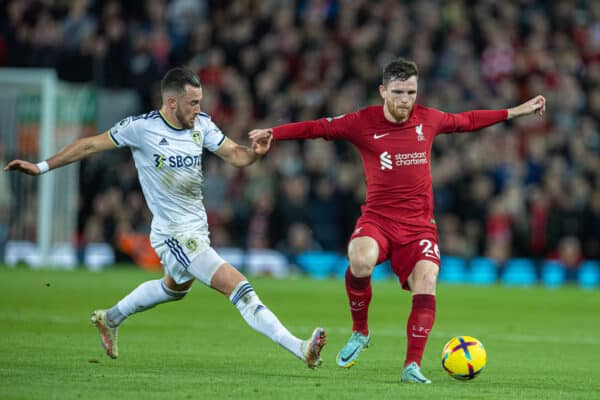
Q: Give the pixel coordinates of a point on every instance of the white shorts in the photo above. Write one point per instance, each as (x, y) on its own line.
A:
(195, 259)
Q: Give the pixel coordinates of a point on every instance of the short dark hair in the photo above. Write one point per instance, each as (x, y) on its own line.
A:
(399, 69)
(176, 78)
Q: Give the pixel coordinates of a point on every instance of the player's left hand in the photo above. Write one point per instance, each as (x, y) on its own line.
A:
(25, 167)
(261, 140)
(532, 106)
(536, 105)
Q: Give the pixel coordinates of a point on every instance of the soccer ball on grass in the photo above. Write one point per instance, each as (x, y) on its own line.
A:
(463, 357)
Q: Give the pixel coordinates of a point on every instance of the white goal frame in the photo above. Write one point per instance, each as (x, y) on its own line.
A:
(47, 80)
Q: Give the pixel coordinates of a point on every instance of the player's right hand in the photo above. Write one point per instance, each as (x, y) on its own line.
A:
(261, 140)
(25, 167)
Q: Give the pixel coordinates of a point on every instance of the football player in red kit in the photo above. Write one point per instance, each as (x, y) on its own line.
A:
(397, 221)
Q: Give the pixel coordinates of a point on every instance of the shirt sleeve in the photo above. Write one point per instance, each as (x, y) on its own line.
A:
(470, 120)
(214, 137)
(123, 133)
(332, 128)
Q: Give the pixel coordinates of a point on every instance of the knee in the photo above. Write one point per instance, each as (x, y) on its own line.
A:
(361, 266)
(428, 282)
(424, 282)
(363, 253)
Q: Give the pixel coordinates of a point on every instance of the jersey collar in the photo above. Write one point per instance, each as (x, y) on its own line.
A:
(166, 121)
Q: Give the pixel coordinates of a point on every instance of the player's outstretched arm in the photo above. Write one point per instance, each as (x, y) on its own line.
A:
(237, 155)
(532, 106)
(76, 151)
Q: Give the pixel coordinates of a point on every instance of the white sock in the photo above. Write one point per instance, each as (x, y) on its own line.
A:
(142, 298)
(262, 320)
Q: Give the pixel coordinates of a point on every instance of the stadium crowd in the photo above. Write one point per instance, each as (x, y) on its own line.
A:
(525, 188)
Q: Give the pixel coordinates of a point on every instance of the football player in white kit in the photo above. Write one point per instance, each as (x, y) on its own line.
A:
(167, 150)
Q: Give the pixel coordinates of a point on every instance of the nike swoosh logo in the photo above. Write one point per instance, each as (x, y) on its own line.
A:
(376, 136)
(418, 336)
(344, 359)
(418, 378)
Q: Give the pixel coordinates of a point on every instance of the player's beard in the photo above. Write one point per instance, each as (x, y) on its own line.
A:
(399, 113)
(185, 123)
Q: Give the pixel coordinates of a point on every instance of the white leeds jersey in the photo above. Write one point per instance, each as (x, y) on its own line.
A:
(169, 164)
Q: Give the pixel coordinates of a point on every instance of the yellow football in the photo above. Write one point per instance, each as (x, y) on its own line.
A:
(464, 357)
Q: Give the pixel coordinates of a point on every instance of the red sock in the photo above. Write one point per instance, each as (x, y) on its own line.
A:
(359, 296)
(420, 322)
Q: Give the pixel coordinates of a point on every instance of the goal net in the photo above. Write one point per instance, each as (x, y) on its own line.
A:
(38, 215)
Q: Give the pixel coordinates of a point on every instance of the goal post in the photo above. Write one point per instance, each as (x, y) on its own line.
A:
(38, 116)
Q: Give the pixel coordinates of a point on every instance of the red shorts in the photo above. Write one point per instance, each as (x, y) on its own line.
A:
(403, 246)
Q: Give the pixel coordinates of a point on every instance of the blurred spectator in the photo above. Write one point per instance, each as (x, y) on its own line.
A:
(455, 243)
(143, 69)
(113, 48)
(258, 222)
(499, 234)
(298, 240)
(351, 194)
(324, 214)
(569, 254)
(291, 206)
(591, 227)
(78, 24)
(537, 224)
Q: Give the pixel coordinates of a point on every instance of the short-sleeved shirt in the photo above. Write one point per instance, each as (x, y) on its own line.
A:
(169, 165)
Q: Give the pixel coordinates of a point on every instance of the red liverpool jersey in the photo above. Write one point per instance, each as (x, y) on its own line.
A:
(396, 156)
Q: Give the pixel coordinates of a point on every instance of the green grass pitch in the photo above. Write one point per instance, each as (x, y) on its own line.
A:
(541, 343)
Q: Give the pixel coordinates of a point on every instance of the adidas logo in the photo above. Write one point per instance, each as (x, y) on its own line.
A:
(163, 142)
